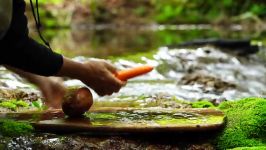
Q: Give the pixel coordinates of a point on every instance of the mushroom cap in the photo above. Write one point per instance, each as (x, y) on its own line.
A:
(77, 101)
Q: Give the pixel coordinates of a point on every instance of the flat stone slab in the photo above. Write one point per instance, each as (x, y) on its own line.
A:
(125, 120)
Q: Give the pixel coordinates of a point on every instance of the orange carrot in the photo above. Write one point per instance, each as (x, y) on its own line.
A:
(124, 75)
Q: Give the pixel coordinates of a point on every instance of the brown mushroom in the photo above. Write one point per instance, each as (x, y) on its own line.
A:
(77, 101)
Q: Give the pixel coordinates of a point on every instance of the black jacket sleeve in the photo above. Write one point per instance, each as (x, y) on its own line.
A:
(18, 50)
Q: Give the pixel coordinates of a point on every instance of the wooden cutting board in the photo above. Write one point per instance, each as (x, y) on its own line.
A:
(124, 120)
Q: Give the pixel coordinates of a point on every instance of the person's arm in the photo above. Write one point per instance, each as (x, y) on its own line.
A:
(37, 59)
(20, 51)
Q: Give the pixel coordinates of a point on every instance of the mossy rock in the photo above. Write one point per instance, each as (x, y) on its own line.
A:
(246, 124)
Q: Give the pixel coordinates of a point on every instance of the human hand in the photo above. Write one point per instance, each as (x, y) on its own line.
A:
(97, 74)
(52, 90)
(100, 76)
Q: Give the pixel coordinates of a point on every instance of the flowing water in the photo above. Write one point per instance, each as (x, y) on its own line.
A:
(184, 73)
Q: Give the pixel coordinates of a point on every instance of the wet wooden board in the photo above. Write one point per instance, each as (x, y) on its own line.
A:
(125, 120)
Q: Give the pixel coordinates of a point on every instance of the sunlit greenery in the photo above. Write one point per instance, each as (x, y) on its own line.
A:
(194, 11)
(157, 11)
(250, 148)
(202, 104)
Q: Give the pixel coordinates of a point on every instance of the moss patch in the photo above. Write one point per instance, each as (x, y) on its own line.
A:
(250, 148)
(202, 104)
(246, 125)
(8, 105)
(14, 128)
(13, 104)
(19, 103)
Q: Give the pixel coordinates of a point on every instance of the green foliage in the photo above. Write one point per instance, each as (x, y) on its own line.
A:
(258, 9)
(193, 11)
(162, 12)
(202, 104)
(168, 10)
(246, 125)
(140, 11)
(13, 128)
(39, 104)
(19, 103)
(8, 105)
(250, 148)
(13, 104)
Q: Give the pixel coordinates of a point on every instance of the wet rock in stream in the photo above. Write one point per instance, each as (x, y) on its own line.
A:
(209, 83)
(223, 75)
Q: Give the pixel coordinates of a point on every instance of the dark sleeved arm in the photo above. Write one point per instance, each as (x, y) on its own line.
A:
(35, 58)
(18, 50)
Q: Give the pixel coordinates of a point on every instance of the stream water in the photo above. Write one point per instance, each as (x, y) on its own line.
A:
(184, 73)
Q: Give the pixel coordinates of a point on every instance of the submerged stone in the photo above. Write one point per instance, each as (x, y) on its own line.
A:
(209, 83)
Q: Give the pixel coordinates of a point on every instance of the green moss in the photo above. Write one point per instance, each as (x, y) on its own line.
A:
(246, 125)
(20, 103)
(250, 148)
(202, 104)
(8, 105)
(13, 104)
(13, 128)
